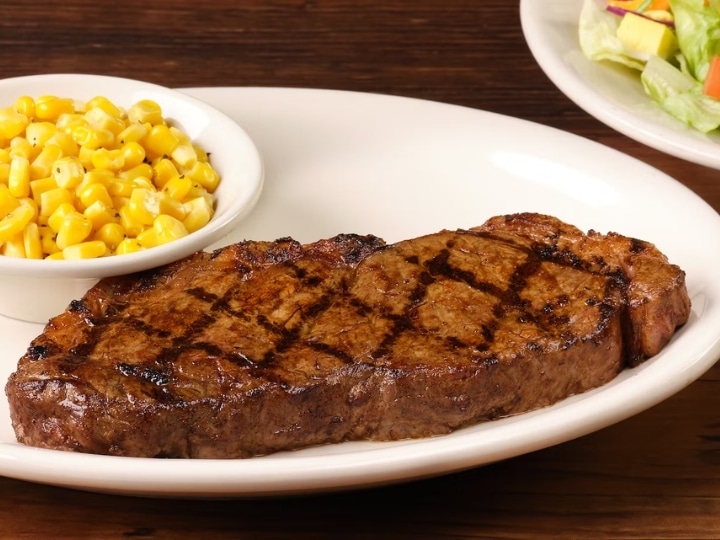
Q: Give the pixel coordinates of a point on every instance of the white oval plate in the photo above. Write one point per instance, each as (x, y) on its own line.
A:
(613, 94)
(345, 162)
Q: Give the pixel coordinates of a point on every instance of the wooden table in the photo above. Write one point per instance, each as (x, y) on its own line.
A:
(656, 475)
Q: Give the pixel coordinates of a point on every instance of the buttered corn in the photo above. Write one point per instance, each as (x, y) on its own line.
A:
(87, 180)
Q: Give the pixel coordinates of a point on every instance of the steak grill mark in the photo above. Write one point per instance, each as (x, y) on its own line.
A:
(428, 273)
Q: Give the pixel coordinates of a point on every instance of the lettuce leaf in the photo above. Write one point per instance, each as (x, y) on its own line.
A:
(697, 27)
(680, 95)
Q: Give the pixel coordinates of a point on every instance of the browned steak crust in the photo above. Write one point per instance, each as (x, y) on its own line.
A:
(267, 346)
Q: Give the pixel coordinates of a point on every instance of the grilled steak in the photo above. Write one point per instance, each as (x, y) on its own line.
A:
(267, 346)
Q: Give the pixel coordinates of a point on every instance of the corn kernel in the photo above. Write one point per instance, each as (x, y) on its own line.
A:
(113, 160)
(65, 142)
(205, 175)
(92, 138)
(168, 228)
(41, 166)
(57, 256)
(178, 187)
(133, 154)
(95, 193)
(39, 133)
(144, 206)
(95, 176)
(5, 156)
(84, 155)
(202, 155)
(163, 171)
(58, 217)
(74, 229)
(129, 245)
(20, 147)
(15, 221)
(199, 191)
(145, 183)
(47, 239)
(31, 241)
(33, 205)
(68, 172)
(25, 105)
(184, 155)
(98, 118)
(180, 135)
(171, 207)
(8, 202)
(106, 105)
(69, 121)
(52, 198)
(148, 238)
(199, 213)
(145, 111)
(111, 234)
(118, 187)
(132, 226)
(14, 247)
(40, 186)
(51, 107)
(100, 214)
(91, 249)
(144, 169)
(89, 178)
(19, 177)
(133, 133)
(12, 123)
(160, 141)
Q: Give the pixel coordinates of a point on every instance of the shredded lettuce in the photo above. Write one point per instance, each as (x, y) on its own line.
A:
(680, 95)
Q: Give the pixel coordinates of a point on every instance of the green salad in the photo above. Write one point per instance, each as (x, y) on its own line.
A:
(673, 44)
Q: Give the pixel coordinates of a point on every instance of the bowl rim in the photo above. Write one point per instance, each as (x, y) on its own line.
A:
(219, 226)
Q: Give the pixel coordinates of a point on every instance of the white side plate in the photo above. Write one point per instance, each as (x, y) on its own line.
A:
(346, 162)
(613, 94)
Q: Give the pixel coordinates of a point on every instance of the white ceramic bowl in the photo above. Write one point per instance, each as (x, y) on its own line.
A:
(35, 290)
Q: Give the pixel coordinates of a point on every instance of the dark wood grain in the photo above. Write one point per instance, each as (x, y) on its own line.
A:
(656, 475)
